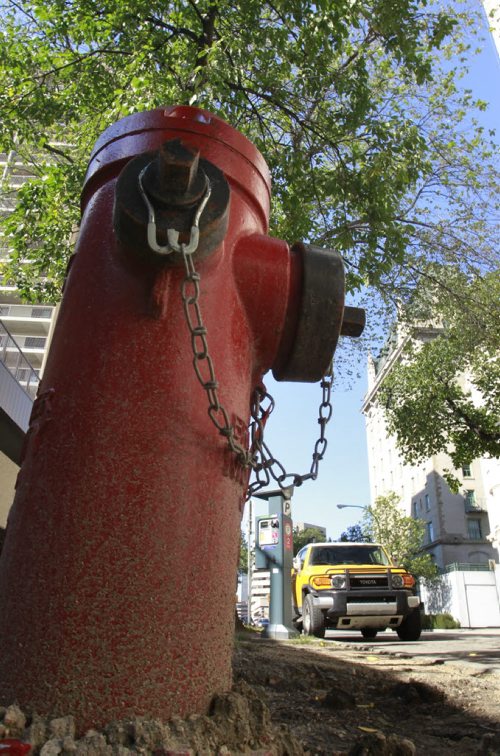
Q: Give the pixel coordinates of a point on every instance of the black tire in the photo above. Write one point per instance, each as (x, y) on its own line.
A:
(296, 617)
(369, 632)
(411, 628)
(313, 620)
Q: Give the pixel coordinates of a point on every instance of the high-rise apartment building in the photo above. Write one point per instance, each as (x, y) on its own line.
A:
(460, 528)
(29, 325)
(24, 334)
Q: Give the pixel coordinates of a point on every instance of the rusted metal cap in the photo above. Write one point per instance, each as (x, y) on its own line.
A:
(175, 180)
(217, 141)
(174, 177)
(322, 317)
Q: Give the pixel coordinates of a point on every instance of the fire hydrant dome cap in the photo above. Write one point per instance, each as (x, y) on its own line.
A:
(142, 132)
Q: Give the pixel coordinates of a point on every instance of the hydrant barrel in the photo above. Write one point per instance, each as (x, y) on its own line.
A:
(117, 577)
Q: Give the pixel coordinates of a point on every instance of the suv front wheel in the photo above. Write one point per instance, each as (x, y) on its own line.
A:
(411, 627)
(313, 621)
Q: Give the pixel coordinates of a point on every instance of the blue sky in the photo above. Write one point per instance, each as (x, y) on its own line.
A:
(292, 429)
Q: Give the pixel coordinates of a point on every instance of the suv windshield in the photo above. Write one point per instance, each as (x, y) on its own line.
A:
(355, 554)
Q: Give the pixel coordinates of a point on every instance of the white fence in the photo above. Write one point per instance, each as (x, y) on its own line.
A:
(470, 596)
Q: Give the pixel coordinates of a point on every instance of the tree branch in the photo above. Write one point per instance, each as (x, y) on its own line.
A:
(56, 151)
(484, 435)
(177, 31)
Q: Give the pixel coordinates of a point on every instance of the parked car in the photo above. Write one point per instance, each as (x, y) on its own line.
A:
(261, 622)
(353, 586)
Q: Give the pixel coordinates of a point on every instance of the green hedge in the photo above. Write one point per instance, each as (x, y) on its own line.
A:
(439, 622)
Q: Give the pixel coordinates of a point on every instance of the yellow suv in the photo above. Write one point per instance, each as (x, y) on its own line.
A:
(353, 586)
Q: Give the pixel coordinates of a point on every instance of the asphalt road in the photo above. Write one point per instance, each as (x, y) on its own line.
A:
(478, 648)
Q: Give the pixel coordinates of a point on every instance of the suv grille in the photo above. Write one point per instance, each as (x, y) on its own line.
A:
(369, 581)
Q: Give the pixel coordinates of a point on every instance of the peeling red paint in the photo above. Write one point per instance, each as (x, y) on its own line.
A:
(13, 747)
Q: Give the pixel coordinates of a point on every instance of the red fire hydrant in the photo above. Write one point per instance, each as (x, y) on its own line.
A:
(117, 576)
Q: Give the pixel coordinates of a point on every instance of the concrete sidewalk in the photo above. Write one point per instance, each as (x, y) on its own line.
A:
(477, 648)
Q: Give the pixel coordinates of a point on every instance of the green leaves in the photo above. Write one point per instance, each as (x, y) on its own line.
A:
(243, 555)
(346, 101)
(403, 536)
(307, 535)
(39, 232)
(444, 396)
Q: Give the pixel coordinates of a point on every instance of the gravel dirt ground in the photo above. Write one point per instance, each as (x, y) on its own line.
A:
(296, 698)
(336, 699)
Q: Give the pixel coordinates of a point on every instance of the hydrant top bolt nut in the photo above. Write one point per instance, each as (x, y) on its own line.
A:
(353, 322)
(174, 177)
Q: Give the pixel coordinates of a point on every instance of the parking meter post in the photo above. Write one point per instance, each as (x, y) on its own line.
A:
(277, 550)
(249, 561)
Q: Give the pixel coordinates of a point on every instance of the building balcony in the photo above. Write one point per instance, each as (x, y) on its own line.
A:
(29, 321)
(18, 387)
(477, 505)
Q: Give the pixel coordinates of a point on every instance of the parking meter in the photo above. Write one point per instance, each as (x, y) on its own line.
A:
(274, 541)
(274, 552)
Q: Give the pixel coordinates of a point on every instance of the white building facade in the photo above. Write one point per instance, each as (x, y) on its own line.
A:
(461, 528)
(492, 12)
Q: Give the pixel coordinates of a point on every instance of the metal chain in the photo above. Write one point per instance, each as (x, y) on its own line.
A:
(267, 466)
(172, 235)
(259, 456)
(202, 361)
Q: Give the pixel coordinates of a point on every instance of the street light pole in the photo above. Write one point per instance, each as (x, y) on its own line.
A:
(351, 506)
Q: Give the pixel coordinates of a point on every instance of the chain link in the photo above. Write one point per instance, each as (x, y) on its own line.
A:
(202, 361)
(268, 467)
(258, 456)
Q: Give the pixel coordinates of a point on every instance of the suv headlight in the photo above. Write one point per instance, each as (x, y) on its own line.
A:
(397, 581)
(339, 581)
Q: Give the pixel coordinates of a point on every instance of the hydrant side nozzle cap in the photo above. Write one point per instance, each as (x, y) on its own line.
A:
(320, 315)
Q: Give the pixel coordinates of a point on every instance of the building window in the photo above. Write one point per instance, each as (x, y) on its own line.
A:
(427, 502)
(470, 500)
(474, 529)
(430, 531)
(34, 342)
(478, 557)
(41, 312)
(415, 509)
(466, 471)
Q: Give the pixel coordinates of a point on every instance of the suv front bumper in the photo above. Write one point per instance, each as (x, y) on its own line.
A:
(390, 606)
